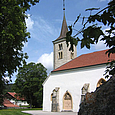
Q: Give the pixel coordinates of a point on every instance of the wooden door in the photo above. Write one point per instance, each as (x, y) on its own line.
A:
(67, 102)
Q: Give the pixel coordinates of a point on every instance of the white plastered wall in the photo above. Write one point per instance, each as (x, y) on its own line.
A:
(73, 81)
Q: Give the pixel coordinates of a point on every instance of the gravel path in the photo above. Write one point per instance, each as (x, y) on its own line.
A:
(39, 112)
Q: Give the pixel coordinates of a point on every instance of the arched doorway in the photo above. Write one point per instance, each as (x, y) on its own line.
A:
(55, 100)
(100, 82)
(67, 102)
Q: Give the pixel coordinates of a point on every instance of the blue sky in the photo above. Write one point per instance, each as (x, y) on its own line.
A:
(44, 24)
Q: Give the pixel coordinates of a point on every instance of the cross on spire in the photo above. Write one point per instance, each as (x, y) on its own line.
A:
(64, 28)
(63, 5)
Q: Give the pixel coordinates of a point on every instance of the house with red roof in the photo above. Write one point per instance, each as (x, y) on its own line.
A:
(13, 100)
(8, 104)
(64, 89)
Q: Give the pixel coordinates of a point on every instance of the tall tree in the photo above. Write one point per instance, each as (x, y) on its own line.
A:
(29, 83)
(91, 31)
(13, 35)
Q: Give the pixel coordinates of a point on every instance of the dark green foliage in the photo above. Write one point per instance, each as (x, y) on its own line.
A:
(91, 30)
(2, 86)
(29, 83)
(13, 35)
(8, 88)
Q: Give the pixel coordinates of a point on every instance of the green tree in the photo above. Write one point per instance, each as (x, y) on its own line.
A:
(92, 30)
(29, 83)
(13, 35)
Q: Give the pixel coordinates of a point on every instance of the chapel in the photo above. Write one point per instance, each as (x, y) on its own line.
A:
(64, 89)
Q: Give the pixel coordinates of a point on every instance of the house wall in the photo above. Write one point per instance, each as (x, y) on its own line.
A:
(23, 103)
(71, 81)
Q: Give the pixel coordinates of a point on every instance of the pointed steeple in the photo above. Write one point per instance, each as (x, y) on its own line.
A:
(64, 28)
(61, 53)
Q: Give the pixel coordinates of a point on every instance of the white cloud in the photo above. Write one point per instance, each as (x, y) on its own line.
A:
(100, 46)
(47, 61)
(29, 22)
(43, 30)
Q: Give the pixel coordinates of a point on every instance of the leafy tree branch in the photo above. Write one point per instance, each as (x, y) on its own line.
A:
(91, 31)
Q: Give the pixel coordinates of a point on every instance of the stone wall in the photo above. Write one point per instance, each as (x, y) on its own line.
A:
(100, 102)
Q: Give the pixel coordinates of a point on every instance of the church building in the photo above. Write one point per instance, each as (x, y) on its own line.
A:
(72, 77)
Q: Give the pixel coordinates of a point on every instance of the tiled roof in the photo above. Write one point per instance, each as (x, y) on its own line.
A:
(7, 103)
(89, 59)
(13, 94)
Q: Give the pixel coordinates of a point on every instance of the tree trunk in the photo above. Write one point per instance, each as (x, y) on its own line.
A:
(30, 102)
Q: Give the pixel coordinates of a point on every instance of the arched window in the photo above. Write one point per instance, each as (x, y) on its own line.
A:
(60, 47)
(100, 82)
(67, 101)
(72, 55)
(60, 55)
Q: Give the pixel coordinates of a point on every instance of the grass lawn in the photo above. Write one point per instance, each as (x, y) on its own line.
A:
(15, 111)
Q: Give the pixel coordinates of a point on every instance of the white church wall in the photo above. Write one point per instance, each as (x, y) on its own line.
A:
(71, 81)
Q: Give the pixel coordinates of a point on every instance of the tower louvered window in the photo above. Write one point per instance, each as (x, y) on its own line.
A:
(60, 55)
(60, 47)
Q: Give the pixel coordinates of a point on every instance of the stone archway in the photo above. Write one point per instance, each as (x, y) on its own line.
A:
(67, 102)
(55, 100)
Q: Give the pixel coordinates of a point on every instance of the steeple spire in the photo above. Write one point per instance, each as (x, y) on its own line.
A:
(61, 52)
(64, 28)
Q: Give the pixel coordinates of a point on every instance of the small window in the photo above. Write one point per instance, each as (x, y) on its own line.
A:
(72, 55)
(60, 55)
(60, 47)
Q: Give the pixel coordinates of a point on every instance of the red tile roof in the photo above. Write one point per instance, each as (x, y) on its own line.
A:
(13, 94)
(89, 59)
(7, 103)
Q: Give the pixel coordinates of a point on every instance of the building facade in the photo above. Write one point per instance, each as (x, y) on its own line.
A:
(64, 89)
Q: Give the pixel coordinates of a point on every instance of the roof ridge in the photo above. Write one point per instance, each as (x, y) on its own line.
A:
(93, 52)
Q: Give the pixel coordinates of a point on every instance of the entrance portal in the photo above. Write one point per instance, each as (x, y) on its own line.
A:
(67, 102)
(55, 100)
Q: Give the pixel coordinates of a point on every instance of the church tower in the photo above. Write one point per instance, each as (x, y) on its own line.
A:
(61, 52)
